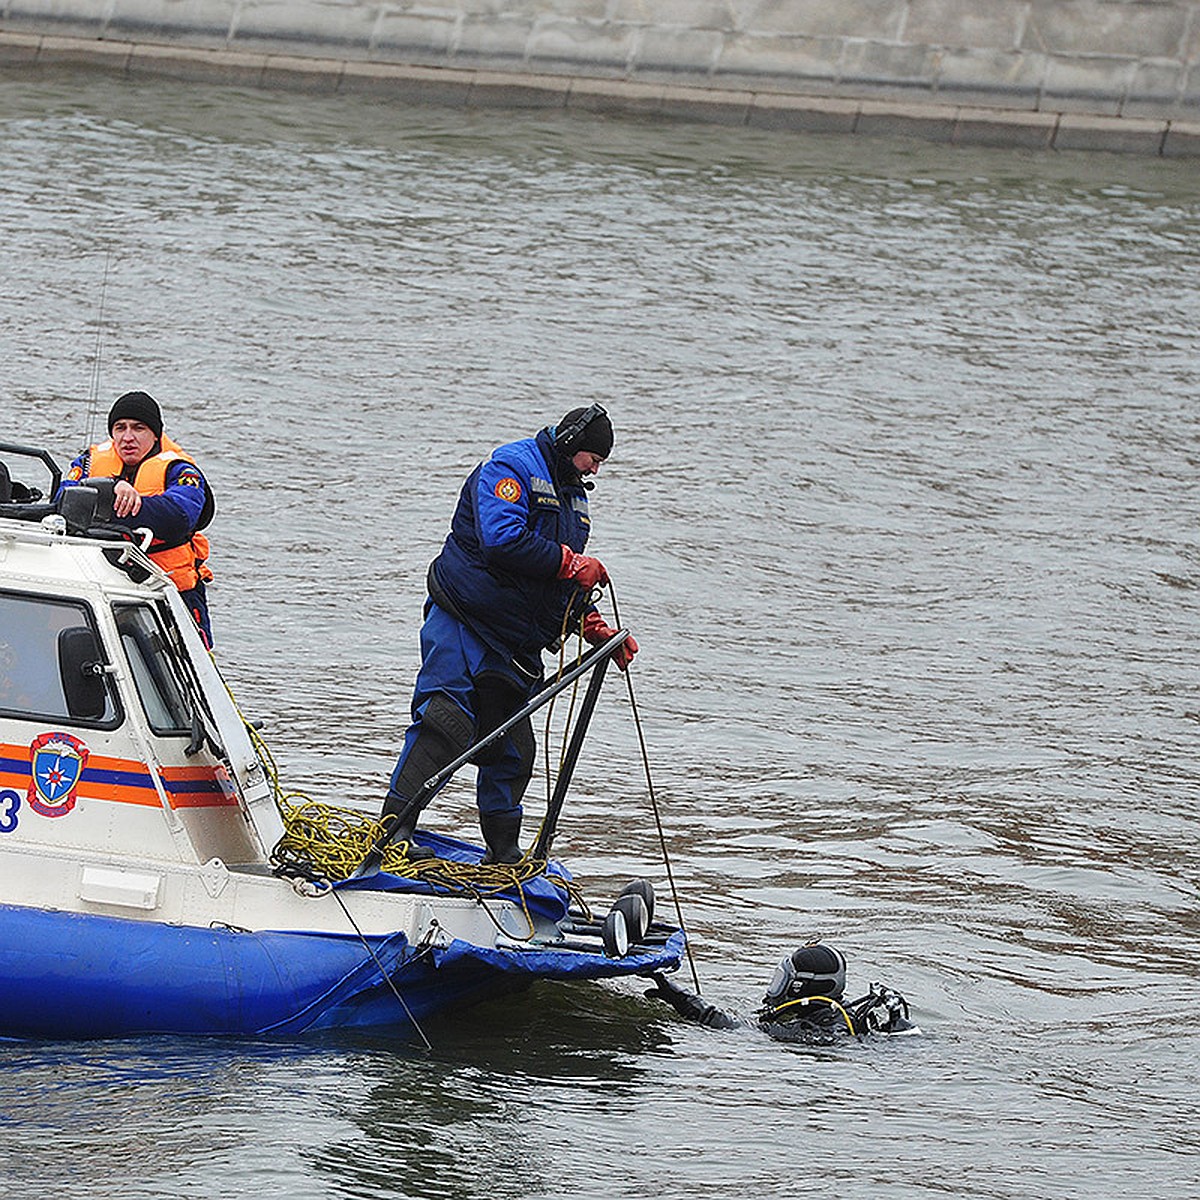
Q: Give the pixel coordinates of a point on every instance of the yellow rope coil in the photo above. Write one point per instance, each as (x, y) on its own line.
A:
(331, 841)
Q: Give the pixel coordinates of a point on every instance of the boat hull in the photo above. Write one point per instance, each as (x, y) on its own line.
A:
(72, 975)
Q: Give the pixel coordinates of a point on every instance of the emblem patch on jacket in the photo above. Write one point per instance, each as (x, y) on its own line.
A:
(508, 489)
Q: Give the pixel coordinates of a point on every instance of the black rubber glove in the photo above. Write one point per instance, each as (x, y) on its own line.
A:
(688, 1005)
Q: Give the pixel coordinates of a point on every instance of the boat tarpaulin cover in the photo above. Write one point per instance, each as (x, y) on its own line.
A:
(543, 894)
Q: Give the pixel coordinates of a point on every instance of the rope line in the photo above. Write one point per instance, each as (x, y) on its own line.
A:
(658, 824)
(408, 1012)
(326, 842)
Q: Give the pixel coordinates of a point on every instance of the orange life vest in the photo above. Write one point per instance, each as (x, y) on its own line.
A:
(186, 563)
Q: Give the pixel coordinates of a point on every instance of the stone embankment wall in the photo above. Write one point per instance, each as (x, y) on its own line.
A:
(1112, 74)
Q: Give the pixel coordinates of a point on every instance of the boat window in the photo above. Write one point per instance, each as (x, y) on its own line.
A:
(51, 662)
(153, 671)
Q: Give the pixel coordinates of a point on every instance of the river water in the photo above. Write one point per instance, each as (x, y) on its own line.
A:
(902, 510)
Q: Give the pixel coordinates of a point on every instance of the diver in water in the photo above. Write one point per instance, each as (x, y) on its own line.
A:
(803, 1002)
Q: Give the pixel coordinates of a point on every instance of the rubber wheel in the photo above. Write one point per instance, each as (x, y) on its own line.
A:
(637, 919)
(616, 935)
(645, 889)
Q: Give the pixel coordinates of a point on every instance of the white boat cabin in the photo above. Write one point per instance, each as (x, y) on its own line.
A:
(117, 733)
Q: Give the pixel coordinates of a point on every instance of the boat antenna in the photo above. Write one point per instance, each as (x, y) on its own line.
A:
(94, 385)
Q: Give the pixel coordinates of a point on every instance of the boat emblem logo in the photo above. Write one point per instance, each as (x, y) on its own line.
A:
(56, 762)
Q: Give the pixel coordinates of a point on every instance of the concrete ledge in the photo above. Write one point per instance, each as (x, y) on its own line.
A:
(413, 85)
(929, 122)
(207, 66)
(301, 74)
(992, 127)
(716, 107)
(18, 49)
(518, 91)
(808, 114)
(1130, 58)
(1182, 140)
(1127, 135)
(615, 96)
(92, 52)
(461, 86)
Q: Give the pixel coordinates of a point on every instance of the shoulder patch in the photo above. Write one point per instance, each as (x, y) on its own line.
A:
(508, 489)
(188, 477)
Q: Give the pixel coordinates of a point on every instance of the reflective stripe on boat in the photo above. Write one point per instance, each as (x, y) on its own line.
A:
(127, 781)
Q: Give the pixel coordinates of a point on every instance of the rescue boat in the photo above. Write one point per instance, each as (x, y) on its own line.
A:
(146, 886)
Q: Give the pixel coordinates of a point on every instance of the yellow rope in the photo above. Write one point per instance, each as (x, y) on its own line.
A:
(325, 841)
(331, 841)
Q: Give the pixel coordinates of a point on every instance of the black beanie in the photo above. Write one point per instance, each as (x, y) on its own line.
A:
(136, 406)
(596, 436)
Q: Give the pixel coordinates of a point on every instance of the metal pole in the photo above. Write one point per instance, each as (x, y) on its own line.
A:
(595, 657)
(541, 849)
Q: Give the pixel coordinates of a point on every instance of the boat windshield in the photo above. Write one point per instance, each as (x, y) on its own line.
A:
(158, 686)
(45, 644)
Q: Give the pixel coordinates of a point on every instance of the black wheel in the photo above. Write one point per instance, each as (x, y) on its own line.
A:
(645, 889)
(637, 918)
(616, 935)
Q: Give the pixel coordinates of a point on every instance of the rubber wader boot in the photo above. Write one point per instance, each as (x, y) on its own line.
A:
(500, 832)
(404, 827)
(445, 732)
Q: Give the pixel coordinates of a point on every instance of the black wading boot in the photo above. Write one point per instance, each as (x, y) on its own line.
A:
(500, 832)
(446, 731)
(404, 826)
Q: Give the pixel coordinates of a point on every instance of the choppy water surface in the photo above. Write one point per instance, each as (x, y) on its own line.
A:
(903, 511)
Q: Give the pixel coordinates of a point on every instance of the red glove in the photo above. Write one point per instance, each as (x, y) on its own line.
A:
(596, 632)
(580, 569)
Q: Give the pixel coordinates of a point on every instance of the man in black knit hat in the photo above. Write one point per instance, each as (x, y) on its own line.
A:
(511, 581)
(153, 484)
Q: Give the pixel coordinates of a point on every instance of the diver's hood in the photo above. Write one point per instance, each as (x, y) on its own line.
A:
(814, 970)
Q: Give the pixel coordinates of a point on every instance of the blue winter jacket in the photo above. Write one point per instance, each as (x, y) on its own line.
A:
(497, 570)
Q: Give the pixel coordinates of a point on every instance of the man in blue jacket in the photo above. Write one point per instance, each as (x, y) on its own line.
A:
(511, 581)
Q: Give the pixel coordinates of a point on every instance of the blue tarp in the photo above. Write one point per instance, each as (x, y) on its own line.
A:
(541, 894)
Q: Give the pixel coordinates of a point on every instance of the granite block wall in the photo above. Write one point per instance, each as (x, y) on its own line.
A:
(1137, 59)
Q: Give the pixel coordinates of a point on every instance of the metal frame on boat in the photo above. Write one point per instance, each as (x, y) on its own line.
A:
(141, 890)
